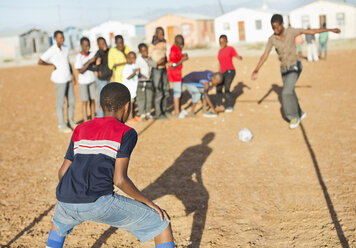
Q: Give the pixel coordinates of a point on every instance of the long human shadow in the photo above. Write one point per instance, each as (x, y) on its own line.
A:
(183, 180)
(278, 90)
(329, 203)
(29, 226)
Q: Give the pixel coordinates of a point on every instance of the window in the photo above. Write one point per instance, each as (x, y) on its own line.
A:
(226, 26)
(258, 24)
(340, 19)
(185, 29)
(305, 21)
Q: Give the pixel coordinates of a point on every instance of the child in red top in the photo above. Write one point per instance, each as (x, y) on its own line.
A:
(226, 53)
(174, 71)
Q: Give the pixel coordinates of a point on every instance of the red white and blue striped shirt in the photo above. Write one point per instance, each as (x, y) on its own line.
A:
(93, 149)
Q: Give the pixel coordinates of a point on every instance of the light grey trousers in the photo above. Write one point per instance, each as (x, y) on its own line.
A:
(63, 91)
(290, 102)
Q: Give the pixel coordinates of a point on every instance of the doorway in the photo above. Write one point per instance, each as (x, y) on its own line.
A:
(170, 31)
(34, 45)
(241, 31)
(322, 20)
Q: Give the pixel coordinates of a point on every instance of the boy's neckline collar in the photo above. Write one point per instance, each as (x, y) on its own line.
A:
(84, 54)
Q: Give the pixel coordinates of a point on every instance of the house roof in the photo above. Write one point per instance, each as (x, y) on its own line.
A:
(195, 16)
(33, 30)
(326, 1)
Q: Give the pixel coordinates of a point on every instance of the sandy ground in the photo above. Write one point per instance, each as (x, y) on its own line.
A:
(286, 188)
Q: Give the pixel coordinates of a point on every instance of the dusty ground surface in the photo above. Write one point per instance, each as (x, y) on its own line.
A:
(286, 188)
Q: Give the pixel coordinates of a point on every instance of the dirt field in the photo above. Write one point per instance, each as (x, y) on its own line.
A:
(286, 188)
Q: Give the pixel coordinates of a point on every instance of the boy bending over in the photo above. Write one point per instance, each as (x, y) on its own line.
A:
(198, 84)
(97, 159)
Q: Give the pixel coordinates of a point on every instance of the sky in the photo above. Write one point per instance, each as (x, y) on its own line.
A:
(21, 15)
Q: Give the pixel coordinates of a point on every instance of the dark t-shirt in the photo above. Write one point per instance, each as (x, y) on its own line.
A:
(103, 67)
(197, 77)
(93, 150)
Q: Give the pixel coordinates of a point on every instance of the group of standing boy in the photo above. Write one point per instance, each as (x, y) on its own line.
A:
(99, 151)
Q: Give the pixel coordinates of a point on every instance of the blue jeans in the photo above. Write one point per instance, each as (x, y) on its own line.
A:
(323, 46)
(100, 85)
(115, 210)
(194, 91)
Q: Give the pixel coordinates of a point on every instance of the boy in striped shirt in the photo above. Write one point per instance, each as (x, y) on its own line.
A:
(97, 159)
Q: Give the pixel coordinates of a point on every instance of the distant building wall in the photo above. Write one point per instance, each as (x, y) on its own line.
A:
(194, 31)
(9, 47)
(335, 15)
(34, 41)
(72, 36)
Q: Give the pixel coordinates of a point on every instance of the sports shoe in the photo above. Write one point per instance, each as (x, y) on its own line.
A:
(64, 130)
(294, 123)
(303, 116)
(210, 115)
(148, 116)
(73, 125)
(229, 110)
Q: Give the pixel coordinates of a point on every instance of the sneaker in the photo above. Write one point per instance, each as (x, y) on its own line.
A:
(64, 130)
(303, 116)
(294, 123)
(183, 114)
(210, 115)
(73, 125)
(148, 116)
(229, 110)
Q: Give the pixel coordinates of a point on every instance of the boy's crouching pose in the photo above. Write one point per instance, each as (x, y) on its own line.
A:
(96, 160)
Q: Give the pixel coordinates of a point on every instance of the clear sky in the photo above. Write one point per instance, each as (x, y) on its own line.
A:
(52, 14)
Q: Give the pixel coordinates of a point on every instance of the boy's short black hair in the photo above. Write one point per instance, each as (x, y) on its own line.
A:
(57, 32)
(142, 45)
(179, 39)
(160, 28)
(114, 96)
(101, 38)
(119, 36)
(84, 39)
(223, 36)
(131, 52)
(277, 18)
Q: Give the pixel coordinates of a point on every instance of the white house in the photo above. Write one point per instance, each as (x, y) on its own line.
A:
(9, 46)
(131, 30)
(242, 24)
(334, 14)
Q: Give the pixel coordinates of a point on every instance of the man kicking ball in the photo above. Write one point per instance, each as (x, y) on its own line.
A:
(283, 40)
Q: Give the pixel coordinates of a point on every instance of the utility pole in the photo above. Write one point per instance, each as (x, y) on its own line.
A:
(221, 7)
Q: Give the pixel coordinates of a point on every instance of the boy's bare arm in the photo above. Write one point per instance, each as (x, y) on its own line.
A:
(262, 60)
(86, 65)
(321, 30)
(64, 168)
(122, 181)
(133, 74)
(41, 62)
(207, 98)
(175, 65)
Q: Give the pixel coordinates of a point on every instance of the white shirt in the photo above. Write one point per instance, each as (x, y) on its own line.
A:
(131, 84)
(60, 59)
(88, 76)
(145, 68)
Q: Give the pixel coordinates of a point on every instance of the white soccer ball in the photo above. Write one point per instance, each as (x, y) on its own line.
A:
(245, 135)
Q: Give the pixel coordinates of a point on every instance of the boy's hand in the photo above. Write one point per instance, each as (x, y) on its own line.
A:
(162, 213)
(336, 30)
(98, 61)
(169, 64)
(161, 61)
(137, 70)
(185, 56)
(239, 57)
(254, 75)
